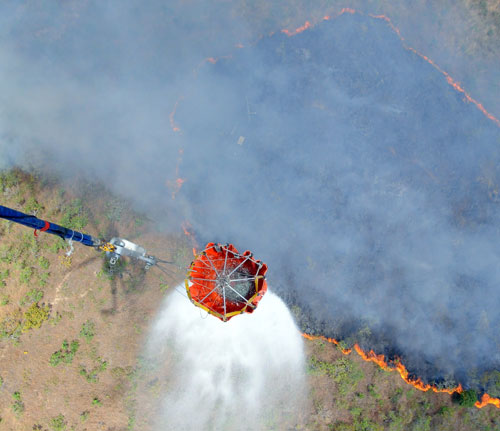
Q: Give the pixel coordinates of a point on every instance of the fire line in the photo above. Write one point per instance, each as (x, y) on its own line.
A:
(396, 365)
(448, 77)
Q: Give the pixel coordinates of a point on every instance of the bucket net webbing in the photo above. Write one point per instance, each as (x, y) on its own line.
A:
(225, 282)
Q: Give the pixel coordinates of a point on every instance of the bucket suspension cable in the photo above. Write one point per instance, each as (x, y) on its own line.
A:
(115, 248)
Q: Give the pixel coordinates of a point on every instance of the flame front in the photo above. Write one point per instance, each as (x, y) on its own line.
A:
(187, 229)
(485, 400)
(173, 125)
(396, 365)
(396, 30)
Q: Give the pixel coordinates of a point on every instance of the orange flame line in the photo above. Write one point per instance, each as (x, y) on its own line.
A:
(174, 126)
(396, 365)
(177, 184)
(297, 30)
(186, 227)
(485, 400)
(396, 30)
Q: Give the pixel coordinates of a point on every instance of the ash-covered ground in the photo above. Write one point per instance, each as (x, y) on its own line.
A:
(367, 183)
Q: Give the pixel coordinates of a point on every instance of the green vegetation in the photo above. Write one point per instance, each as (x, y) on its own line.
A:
(4, 299)
(58, 423)
(9, 179)
(26, 274)
(43, 279)
(34, 316)
(84, 416)
(43, 262)
(92, 376)
(55, 244)
(88, 330)
(114, 209)
(34, 295)
(4, 275)
(444, 411)
(345, 372)
(491, 382)
(65, 354)
(10, 326)
(18, 405)
(96, 402)
(74, 217)
(32, 206)
(466, 398)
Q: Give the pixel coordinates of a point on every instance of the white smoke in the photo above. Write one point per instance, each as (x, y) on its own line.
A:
(245, 374)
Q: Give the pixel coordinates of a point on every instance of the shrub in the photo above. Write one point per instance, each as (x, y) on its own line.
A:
(4, 275)
(34, 295)
(345, 372)
(96, 402)
(56, 245)
(88, 330)
(43, 262)
(65, 354)
(444, 411)
(9, 179)
(32, 206)
(25, 275)
(10, 326)
(74, 217)
(58, 423)
(35, 316)
(17, 405)
(92, 376)
(466, 398)
(43, 277)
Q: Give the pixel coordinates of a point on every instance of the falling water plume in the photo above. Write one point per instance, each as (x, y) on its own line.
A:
(244, 374)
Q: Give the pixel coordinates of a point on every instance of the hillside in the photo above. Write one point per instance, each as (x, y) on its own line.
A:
(72, 333)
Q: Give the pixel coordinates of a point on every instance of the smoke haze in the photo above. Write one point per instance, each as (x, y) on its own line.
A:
(340, 158)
